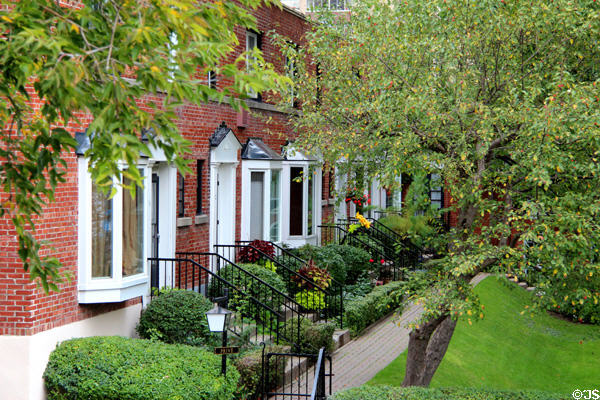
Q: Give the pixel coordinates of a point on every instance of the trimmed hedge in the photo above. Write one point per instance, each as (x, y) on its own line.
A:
(313, 336)
(418, 393)
(118, 368)
(176, 316)
(363, 311)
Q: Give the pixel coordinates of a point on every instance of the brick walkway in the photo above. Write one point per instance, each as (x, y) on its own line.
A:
(361, 359)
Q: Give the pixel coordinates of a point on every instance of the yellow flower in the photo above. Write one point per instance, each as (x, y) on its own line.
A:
(363, 221)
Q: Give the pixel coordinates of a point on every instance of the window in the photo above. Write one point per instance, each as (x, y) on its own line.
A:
(172, 47)
(436, 194)
(133, 230)
(296, 196)
(310, 204)
(290, 71)
(113, 239)
(334, 5)
(180, 196)
(211, 79)
(275, 201)
(199, 165)
(252, 42)
(102, 232)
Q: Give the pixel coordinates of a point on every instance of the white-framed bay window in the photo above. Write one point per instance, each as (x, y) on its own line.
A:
(114, 238)
(261, 200)
(301, 202)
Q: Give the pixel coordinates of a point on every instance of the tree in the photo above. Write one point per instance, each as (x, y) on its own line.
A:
(101, 60)
(500, 98)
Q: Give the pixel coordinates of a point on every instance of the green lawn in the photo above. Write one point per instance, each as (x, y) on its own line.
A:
(507, 350)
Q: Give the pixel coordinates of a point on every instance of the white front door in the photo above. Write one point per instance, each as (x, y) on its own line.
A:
(223, 205)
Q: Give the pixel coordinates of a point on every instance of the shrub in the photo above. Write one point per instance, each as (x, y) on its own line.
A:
(312, 273)
(176, 316)
(117, 368)
(249, 365)
(311, 299)
(363, 311)
(324, 257)
(418, 393)
(355, 259)
(249, 254)
(250, 287)
(313, 336)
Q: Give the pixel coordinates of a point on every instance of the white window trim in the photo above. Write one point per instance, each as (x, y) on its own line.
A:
(266, 166)
(252, 94)
(305, 238)
(117, 288)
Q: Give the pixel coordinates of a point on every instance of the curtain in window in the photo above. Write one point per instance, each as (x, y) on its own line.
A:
(133, 230)
(101, 234)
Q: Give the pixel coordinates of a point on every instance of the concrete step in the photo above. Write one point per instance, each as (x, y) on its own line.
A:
(340, 338)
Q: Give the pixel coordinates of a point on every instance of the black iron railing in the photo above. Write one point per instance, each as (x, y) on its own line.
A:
(402, 249)
(260, 309)
(413, 252)
(389, 268)
(327, 302)
(296, 376)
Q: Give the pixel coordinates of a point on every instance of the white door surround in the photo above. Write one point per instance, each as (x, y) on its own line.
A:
(224, 156)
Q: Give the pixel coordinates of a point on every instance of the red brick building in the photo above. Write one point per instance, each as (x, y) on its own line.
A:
(242, 187)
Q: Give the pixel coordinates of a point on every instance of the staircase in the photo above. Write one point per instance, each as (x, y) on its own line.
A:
(261, 311)
(286, 265)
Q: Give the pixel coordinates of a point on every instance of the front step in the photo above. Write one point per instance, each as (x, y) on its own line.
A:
(340, 338)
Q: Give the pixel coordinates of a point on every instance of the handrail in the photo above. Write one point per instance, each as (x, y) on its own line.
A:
(319, 381)
(302, 277)
(289, 254)
(190, 253)
(274, 292)
(384, 245)
(329, 296)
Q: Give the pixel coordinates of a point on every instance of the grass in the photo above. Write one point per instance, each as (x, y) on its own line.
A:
(507, 350)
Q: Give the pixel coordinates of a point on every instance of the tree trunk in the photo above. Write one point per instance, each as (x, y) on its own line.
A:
(427, 346)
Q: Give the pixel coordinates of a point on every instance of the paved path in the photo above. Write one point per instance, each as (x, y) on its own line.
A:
(362, 358)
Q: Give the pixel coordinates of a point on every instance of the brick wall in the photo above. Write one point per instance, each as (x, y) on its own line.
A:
(24, 308)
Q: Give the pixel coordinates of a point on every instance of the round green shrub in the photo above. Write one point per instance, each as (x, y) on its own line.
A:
(328, 258)
(356, 261)
(176, 316)
(117, 368)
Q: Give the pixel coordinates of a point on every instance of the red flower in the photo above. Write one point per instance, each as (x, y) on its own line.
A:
(371, 260)
(382, 261)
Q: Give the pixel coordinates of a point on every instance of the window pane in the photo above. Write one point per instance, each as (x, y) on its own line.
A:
(133, 230)
(256, 205)
(199, 165)
(309, 216)
(275, 201)
(296, 209)
(101, 234)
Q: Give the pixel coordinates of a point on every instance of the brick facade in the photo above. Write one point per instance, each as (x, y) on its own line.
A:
(25, 309)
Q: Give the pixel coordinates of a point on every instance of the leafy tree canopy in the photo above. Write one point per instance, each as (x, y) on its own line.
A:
(499, 97)
(125, 65)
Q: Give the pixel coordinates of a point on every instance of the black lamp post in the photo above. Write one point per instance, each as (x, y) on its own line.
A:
(218, 321)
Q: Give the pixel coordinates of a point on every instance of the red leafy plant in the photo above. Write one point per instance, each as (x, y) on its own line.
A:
(255, 251)
(311, 273)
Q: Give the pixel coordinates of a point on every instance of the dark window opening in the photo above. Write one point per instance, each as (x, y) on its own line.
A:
(199, 165)
(211, 79)
(180, 196)
(296, 197)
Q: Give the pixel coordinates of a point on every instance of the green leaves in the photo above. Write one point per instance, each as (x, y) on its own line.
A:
(500, 99)
(125, 66)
